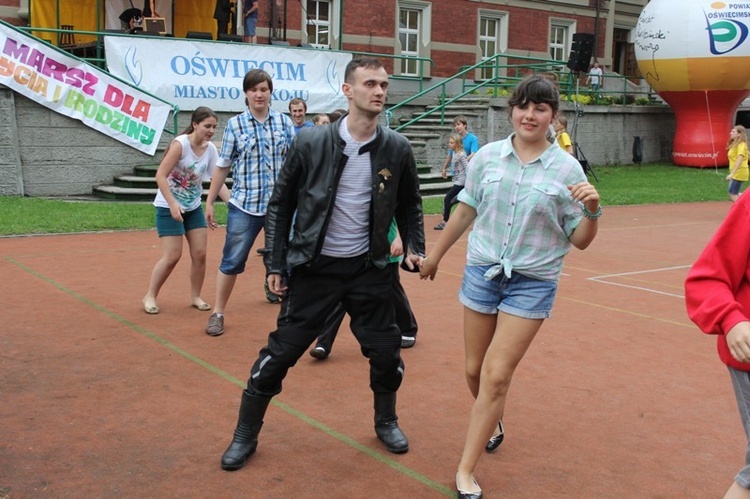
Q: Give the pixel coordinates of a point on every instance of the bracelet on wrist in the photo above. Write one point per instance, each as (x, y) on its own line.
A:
(592, 216)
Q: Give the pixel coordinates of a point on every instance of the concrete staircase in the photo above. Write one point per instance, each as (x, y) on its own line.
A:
(429, 140)
(140, 186)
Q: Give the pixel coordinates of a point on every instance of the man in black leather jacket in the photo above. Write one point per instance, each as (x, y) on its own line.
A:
(327, 226)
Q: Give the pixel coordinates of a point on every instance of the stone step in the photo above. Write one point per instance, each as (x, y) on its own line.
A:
(115, 193)
(435, 119)
(421, 133)
(433, 178)
(136, 188)
(146, 170)
(138, 182)
(454, 109)
(431, 127)
(435, 189)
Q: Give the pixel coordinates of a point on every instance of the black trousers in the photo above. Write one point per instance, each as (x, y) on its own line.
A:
(451, 198)
(312, 295)
(405, 320)
(222, 26)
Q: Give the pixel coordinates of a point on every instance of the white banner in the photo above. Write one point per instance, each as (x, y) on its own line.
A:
(194, 73)
(80, 91)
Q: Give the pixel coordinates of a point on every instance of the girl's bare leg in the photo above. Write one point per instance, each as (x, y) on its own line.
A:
(512, 338)
(197, 241)
(171, 247)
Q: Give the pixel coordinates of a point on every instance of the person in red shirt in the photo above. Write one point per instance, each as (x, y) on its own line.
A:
(717, 296)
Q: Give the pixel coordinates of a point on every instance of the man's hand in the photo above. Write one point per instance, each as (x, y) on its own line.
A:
(397, 246)
(276, 284)
(210, 220)
(413, 261)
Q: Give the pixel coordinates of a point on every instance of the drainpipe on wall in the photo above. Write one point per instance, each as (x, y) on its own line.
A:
(341, 26)
(596, 29)
(23, 10)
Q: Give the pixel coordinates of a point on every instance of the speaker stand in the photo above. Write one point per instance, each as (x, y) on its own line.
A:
(577, 151)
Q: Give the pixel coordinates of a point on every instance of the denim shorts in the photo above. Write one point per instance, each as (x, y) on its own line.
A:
(168, 226)
(734, 186)
(518, 295)
(250, 23)
(242, 229)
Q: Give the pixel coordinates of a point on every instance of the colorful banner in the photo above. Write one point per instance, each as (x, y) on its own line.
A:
(194, 73)
(80, 91)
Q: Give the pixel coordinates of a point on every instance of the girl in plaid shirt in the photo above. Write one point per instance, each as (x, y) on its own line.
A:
(529, 202)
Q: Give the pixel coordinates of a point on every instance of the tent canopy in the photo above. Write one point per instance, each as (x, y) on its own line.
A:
(182, 15)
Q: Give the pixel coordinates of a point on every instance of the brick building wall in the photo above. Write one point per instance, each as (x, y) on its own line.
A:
(9, 12)
(450, 29)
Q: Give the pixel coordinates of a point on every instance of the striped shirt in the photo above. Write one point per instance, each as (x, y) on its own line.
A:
(256, 151)
(525, 213)
(348, 231)
(459, 162)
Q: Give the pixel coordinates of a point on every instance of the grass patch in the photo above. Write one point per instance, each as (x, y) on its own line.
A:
(22, 216)
(659, 183)
(645, 184)
(617, 185)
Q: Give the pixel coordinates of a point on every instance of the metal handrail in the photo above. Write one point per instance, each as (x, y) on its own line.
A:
(420, 76)
(443, 98)
(566, 83)
(569, 90)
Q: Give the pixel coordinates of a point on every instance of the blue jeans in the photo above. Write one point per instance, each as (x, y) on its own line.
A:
(518, 295)
(242, 230)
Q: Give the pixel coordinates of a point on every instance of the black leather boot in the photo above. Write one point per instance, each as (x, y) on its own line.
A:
(386, 423)
(245, 440)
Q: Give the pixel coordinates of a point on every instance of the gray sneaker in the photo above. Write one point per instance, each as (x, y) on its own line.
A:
(215, 325)
(319, 353)
(408, 341)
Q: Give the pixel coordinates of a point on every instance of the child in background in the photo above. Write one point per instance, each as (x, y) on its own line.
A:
(335, 115)
(469, 140)
(190, 159)
(321, 119)
(459, 161)
(737, 153)
(561, 134)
